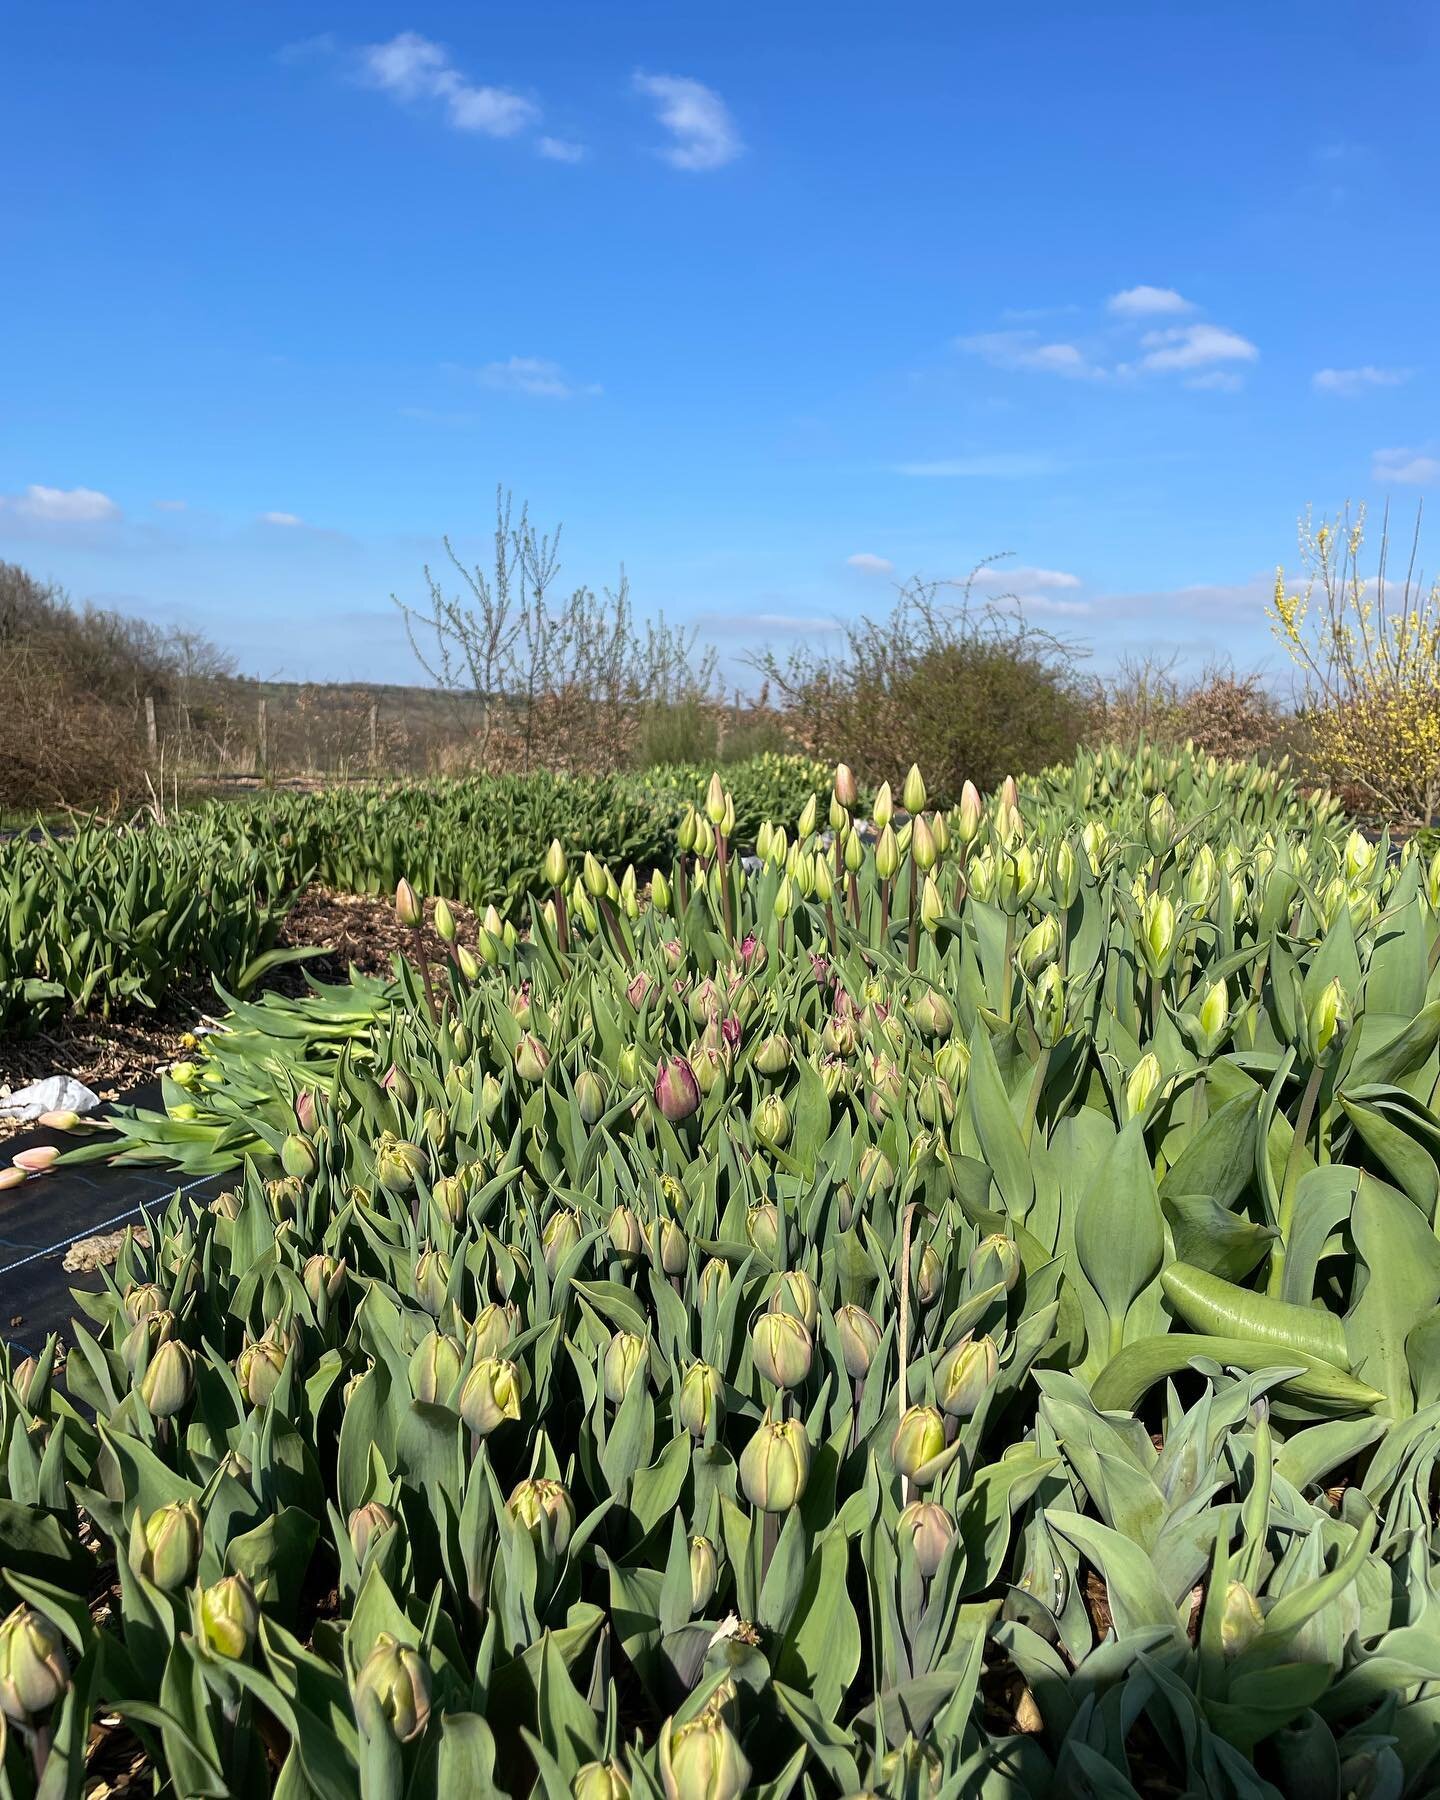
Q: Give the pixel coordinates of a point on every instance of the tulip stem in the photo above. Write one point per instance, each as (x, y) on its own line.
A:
(39, 1749)
(912, 948)
(1007, 978)
(424, 960)
(562, 924)
(906, 1227)
(722, 854)
(682, 891)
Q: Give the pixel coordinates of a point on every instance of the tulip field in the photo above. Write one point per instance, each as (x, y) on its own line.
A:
(823, 1294)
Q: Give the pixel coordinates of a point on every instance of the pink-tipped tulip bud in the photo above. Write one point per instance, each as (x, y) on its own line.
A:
(846, 790)
(677, 1093)
(859, 1340)
(928, 1529)
(407, 905)
(35, 1161)
(366, 1526)
(532, 1059)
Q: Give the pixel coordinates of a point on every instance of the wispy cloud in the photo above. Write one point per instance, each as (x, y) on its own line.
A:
(533, 375)
(169, 505)
(1023, 575)
(1193, 347)
(562, 150)
(1411, 468)
(1350, 382)
(285, 519)
(39, 505)
(1001, 465)
(1026, 349)
(742, 624)
(410, 67)
(871, 565)
(705, 135)
(1147, 302)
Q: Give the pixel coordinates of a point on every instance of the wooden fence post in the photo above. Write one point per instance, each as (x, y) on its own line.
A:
(262, 756)
(374, 733)
(151, 739)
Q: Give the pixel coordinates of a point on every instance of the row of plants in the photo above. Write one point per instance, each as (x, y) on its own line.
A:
(946, 1310)
(106, 918)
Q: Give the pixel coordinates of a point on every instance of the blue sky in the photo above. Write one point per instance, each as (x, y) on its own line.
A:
(775, 304)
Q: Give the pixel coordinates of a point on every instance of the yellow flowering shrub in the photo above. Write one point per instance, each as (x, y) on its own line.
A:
(1369, 656)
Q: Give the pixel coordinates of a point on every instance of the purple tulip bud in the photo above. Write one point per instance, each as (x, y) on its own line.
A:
(677, 1093)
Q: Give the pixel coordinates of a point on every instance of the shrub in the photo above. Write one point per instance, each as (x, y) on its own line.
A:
(1223, 714)
(1369, 662)
(968, 691)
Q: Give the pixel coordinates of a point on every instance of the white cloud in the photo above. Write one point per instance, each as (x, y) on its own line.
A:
(1193, 346)
(706, 137)
(871, 565)
(999, 464)
(1022, 575)
(746, 624)
(40, 505)
(562, 150)
(411, 67)
(281, 518)
(1413, 468)
(1047, 603)
(1222, 381)
(169, 505)
(1349, 382)
(1148, 302)
(533, 375)
(1026, 350)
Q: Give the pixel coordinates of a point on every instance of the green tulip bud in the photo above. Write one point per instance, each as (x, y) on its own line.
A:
(1157, 933)
(1327, 1023)
(913, 794)
(624, 1358)
(859, 1340)
(323, 1277)
(298, 1158)
(444, 922)
(490, 1395)
(762, 1227)
(1040, 946)
(966, 1373)
(995, 1258)
(775, 1464)
(673, 1249)
(546, 1511)
(929, 1530)
(932, 907)
(556, 866)
(228, 1205)
(625, 1235)
(782, 1349)
(407, 906)
(1140, 1089)
(435, 1368)
(714, 1280)
(704, 1573)
(1160, 825)
(258, 1369)
(702, 1760)
(397, 1163)
(1214, 1017)
(169, 1381)
(493, 1328)
(229, 1617)
(532, 1059)
(919, 1439)
(715, 802)
(876, 1171)
(773, 1054)
(366, 1526)
(929, 1271)
(1241, 1620)
(396, 1679)
(660, 896)
(600, 1781)
(432, 1280)
(561, 1234)
(33, 1670)
(771, 1121)
(171, 1540)
(887, 854)
(140, 1301)
(701, 1401)
(795, 1294)
(933, 1014)
(589, 1096)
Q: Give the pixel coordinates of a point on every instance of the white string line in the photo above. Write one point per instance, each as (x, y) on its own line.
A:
(95, 1229)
